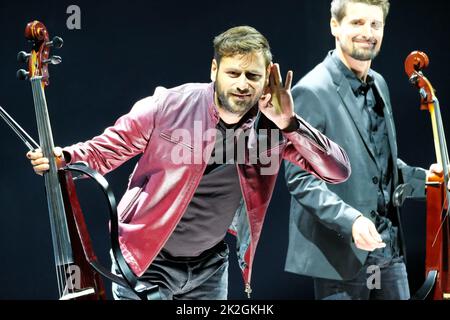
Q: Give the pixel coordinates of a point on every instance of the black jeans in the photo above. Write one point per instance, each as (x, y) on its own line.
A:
(393, 285)
(383, 276)
(198, 278)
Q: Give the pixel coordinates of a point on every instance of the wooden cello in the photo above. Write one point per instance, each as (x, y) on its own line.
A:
(75, 277)
(77, 267)
(437, 281)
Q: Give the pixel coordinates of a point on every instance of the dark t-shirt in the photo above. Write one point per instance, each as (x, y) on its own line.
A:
(211, 210)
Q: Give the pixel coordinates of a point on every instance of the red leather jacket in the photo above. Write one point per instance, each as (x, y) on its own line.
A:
(160, 188)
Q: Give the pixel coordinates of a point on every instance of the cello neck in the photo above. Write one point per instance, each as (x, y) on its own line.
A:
(60, 236)
(62, 249)
(440, 142)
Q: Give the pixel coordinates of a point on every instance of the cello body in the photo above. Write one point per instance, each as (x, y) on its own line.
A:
(437, 238)
(436, 285)
(82, 250)
(72, 247)
(78, 270)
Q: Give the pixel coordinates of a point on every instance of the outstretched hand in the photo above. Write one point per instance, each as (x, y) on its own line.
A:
(277, 104)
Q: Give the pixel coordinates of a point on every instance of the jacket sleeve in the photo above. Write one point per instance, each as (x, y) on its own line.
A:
(127, 138)
(307, 189)
(414, 176)
(314, 152)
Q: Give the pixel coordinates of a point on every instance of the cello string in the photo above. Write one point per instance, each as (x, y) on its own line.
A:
(57, 196)
(444, 155)
(447, 162)
(67, 256)
(444, 159)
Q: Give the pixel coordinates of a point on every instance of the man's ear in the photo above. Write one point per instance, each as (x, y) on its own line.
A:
(214, 68)
(334, 25)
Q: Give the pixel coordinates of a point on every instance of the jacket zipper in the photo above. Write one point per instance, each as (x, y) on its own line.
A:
(248, 288)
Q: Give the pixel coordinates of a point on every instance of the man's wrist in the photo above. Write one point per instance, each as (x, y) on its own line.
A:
(292, 126)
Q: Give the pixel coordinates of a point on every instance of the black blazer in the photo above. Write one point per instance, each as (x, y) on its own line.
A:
(321, 217)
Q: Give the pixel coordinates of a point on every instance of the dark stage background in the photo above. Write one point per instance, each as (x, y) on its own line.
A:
(124, 50)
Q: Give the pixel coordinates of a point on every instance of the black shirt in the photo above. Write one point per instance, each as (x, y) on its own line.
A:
(218, 196)
(370, 104)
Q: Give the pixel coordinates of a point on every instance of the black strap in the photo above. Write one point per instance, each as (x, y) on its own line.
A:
(128, 278)
(426, 288)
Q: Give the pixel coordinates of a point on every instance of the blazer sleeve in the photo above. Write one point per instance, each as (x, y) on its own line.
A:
(414, 176)
(310, 192)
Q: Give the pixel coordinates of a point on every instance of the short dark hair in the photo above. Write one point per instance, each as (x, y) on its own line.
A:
(241, 40)
(338, 7)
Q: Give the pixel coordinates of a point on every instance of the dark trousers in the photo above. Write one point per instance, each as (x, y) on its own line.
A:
(198, 278)
(393, 284)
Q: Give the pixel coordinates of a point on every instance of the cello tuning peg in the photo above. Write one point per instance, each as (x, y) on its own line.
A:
(53, 60)
(423, 93)
(56, 42)
(22, 56)
(414, 79)
(22, 74)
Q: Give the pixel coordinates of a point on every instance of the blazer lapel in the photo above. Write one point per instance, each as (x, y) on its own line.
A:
(349, 101)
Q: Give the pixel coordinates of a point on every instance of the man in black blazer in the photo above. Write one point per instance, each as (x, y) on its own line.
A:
(348, 236)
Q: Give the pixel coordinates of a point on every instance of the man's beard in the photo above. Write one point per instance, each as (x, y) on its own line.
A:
(360, 54)
(235, 107)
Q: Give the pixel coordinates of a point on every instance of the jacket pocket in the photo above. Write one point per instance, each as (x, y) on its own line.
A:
(175, 140)
(125, 215)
